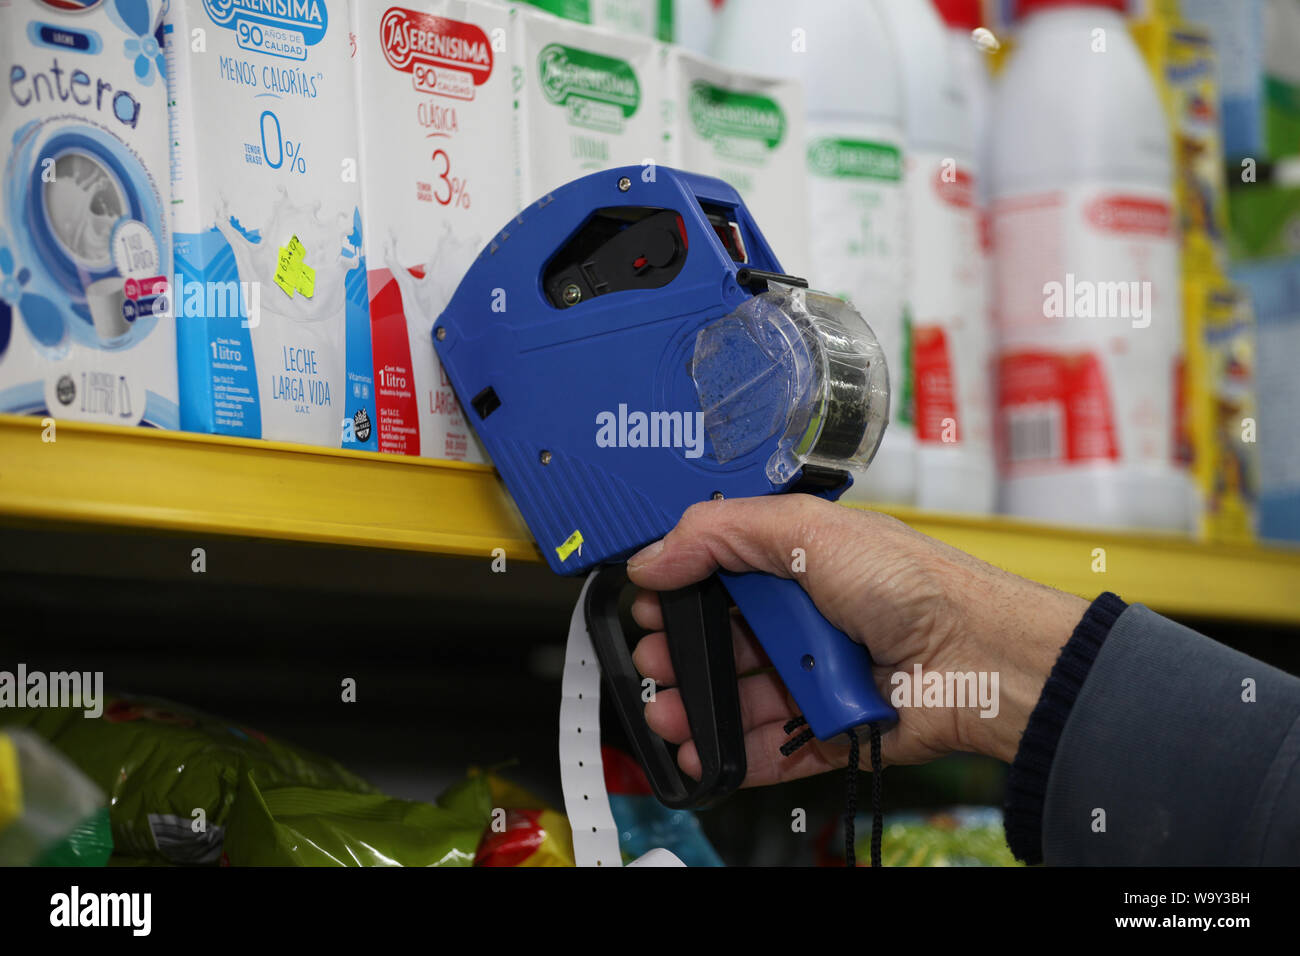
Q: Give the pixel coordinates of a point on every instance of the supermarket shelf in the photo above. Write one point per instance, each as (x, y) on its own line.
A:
(139, 478)
(1168, 573)
(176, 481)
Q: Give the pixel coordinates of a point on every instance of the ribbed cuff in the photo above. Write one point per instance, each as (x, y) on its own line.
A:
(1027, 783)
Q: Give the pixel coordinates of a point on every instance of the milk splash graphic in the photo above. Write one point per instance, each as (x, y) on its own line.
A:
(299, 337)
(424, 297)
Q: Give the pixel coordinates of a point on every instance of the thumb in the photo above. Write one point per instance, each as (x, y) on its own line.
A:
(743, 534)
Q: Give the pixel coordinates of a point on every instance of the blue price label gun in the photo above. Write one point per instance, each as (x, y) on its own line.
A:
(628, 346)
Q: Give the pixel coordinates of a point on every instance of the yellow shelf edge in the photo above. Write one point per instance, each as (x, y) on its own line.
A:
(257, 445)
(203, 484)
(1169, 573)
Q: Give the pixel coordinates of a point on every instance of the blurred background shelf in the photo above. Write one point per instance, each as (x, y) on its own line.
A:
(158, 485)
(1169, 573)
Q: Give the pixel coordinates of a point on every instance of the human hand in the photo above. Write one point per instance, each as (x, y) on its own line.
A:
(911, 599)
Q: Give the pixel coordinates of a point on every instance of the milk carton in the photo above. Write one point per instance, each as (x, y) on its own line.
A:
(588, 100)
(646, 18)
(747, 130)
(438, 181)
(85, 243)
(274, 335)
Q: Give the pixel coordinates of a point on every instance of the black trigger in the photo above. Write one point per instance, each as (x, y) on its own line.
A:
(697, 621)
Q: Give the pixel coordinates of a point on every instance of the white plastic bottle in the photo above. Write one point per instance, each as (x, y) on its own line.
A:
(1087, 296)
(970, 62)
(694, 22)
(962, 18)
(947, 304)
(843, 55)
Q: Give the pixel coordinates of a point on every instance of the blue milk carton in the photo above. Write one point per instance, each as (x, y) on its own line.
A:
(272, 317)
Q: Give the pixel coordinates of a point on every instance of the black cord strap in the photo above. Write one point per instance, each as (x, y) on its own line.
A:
(851, 795)
(877, 800)
(794, 743)
(851, 802)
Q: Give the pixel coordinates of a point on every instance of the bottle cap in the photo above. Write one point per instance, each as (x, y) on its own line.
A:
(963, 14)
(1026, 7)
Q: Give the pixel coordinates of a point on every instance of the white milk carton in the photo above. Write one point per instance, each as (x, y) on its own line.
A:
(85, 241)
(274, 334)
(646, 18)
(643, 18)
(438, 181)
(747, 130)
(588, 100)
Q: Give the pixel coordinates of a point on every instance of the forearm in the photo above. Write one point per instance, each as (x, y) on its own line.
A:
(1010, 626)
(1029, 624)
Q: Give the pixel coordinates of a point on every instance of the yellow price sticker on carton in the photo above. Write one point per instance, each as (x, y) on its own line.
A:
(571, 544)
(292, 274)
(286, 273)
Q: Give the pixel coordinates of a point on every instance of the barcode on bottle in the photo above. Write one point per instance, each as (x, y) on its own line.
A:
(1034, 433)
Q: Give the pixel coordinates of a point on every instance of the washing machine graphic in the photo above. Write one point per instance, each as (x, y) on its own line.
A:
(86, 220)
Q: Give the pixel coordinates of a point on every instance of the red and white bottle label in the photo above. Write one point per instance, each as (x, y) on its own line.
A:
(1054, 408)
(1087, 309)
(951, 340)
(936, 396)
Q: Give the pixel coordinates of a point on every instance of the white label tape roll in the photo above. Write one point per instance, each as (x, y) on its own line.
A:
(582, 772)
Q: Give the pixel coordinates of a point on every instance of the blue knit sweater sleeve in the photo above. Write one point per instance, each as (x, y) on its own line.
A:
(1027, 783)
(1153, 745)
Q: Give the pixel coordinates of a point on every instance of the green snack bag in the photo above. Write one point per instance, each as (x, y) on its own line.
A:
(172, 774)
(304, 826)
(186, 787)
